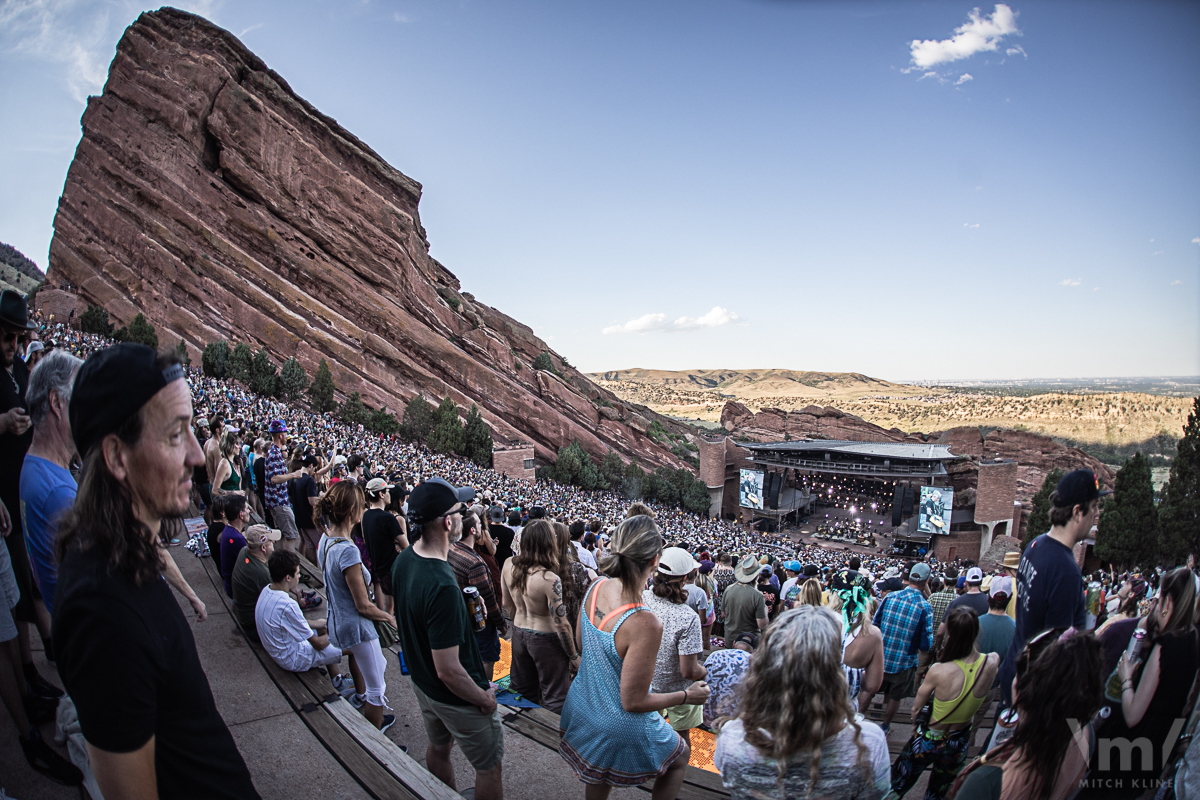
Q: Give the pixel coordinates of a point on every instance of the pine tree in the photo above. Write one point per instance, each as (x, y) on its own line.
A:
(447, 433)
(382, 422)
(543, 362)
(214, 359)
(1127, 534)
(140, 331)
(1180, 510)
(184, 358)
(1039, 508)
(477, 438)
(263, 379)
(293, 380)
(612, 469)
(241, 360)
(353, 412)
(95, 320)
(632, 483)
(568, 466)
(322, 389)
(418, 420)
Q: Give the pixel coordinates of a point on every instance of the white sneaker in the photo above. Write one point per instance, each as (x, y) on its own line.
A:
(344, 685)
(357, 700)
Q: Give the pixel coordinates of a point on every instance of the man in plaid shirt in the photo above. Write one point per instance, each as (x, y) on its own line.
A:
(279, 508)
(905, 619)
(471, 570)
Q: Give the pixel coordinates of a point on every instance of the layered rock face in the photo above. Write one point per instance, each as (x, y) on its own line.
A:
(208, 195)
(1035, 454)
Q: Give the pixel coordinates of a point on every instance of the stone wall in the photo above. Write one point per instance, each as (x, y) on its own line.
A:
(965, 544)
(511, 462)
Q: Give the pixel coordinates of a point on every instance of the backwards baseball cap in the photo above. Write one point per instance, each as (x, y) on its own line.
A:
(435, 498)
(919, 572)
(258, 535)
(810, 571)
(676, 562)
(1078, 487)
(1001, 585)
(378, 485)
(112, 386)
(278, 426)
(496, 514)
(974, 575)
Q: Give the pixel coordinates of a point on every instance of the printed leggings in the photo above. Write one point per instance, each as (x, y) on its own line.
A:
(945, 756)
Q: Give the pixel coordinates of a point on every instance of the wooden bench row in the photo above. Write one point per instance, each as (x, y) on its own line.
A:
(543, 727)
(384, 770)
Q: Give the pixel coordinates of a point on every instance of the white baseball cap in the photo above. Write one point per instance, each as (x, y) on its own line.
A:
(676, 562)
(1002, 584)
(974, 575)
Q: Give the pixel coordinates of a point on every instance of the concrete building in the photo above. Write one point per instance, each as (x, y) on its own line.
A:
(514, 460)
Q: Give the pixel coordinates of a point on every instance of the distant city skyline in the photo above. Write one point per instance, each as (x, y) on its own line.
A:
(912, 191)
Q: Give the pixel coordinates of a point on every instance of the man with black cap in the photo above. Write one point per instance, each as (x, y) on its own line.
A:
(1049, 581)
(126, 654)
(501, 534)
(16, 435)
(458, 703)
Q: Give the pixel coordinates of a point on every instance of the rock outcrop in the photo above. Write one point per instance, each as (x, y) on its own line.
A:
(208, 195)
(1034, 453)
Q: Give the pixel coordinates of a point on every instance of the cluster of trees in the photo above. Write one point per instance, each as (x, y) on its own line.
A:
(20, 262)
(1136, 528)
(680, 487)
(140, 331)
(442, 431)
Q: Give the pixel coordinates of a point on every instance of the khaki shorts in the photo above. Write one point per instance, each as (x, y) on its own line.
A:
(480, 736)
(899, 685)
(684, 717)
(285, 521)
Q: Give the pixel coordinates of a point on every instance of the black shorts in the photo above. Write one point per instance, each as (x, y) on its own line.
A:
(488, 640)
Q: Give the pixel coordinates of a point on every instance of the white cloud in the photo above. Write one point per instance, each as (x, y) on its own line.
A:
(1196, 240)
(1159, 252)
(1069, 282)
(401, 18)
(979, 35)
(77, 35)
(966, 76)
(1095, 288)
(1016, 50)
(1176, 283)
(242, 35)
(657, 323)
(969, 225)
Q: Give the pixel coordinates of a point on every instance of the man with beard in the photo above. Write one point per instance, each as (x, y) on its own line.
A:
(458, 703)
(127, 655)
(16, 435)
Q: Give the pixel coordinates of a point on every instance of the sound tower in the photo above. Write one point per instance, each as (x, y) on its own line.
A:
(773, 493)
(909, 501)
(897, 502)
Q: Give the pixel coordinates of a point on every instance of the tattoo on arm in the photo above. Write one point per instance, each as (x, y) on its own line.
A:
(557, 607)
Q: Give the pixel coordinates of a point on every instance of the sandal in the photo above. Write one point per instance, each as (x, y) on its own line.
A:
(46, 761)
(308, 603)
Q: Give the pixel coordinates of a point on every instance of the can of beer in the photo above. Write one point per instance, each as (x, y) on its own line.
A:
(1135, 645)
(475, 607)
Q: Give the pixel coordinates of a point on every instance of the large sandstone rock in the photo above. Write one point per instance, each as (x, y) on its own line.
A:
(208, 195)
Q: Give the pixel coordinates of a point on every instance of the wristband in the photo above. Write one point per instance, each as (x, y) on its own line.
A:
(684, 701)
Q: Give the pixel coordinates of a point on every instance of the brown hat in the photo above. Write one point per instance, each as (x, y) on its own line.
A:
(259, 535)
(1012, 560)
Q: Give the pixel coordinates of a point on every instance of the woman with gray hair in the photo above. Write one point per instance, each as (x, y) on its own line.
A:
(796, 733)
(47, 487)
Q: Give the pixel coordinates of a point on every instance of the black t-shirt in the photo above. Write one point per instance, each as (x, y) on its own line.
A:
(504, 536)
(977, 602)
(379, 531)
(13, 448)
(127, 658)
(260, 478)
(299, 490)
(213, 536)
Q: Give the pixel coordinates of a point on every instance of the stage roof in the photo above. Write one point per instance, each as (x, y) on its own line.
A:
(875, 459)
(907, 450)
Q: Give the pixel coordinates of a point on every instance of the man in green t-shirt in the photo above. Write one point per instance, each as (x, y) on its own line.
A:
(250, 574)
(458, 703)
(744, 606)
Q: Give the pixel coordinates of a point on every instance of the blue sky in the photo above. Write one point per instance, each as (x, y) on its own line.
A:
(742, 183)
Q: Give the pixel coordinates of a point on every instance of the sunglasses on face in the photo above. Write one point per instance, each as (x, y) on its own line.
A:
(9, 336)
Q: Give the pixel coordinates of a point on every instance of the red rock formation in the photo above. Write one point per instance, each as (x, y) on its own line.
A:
(208, 195)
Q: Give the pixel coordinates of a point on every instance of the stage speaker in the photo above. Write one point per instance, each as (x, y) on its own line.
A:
(910, 500)
(897, 502)
(773, 493)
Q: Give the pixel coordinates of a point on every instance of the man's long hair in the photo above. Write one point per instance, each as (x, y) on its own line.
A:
(103, 517)
(539, 551)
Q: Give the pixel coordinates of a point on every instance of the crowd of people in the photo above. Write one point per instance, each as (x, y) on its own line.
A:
(638, 623)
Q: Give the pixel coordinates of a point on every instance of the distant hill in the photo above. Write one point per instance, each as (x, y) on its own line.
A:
(21, 263)
(755, 383)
